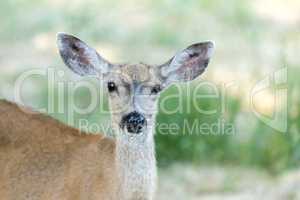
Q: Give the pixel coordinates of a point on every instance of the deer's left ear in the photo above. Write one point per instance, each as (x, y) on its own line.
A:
(187, 64)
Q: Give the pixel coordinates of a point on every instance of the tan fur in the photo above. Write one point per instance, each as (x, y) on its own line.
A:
(41, 158)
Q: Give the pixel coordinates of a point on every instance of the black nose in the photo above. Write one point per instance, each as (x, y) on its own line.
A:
(134, 122)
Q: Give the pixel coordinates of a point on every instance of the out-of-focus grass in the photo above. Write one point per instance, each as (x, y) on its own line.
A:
(249, 46)
(265, 147)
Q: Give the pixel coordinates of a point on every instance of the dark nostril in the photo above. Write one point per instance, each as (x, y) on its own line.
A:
(134, 122)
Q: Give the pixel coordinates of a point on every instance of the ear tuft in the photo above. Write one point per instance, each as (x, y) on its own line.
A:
(188, 64)
(79, 57)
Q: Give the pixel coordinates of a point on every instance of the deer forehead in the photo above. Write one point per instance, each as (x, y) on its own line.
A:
(138, 73)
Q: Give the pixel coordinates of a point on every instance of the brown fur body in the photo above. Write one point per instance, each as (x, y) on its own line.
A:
(41, 158)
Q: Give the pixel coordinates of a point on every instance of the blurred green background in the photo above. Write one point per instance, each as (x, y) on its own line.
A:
(254, 39)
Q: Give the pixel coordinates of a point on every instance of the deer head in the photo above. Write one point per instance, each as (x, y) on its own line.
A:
(133, 89)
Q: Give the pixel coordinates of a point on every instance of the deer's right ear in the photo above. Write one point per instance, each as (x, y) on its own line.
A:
(79, 57)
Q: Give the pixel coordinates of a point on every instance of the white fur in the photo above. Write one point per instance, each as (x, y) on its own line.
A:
(136, 165)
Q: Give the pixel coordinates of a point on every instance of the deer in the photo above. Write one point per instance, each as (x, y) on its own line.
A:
(42, 158)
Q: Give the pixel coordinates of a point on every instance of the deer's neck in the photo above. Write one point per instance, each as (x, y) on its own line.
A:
(136, 165)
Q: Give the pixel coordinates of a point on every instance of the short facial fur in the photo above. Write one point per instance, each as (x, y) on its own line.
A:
(137, 85)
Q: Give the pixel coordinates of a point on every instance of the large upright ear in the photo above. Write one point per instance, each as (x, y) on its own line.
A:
(187, 64)
(79, 57)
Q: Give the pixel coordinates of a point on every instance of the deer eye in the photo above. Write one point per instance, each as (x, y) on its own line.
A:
(111, 86)
(156, 89)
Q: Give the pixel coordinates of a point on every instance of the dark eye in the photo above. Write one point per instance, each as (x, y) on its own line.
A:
(111, 86)
(156, 89)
